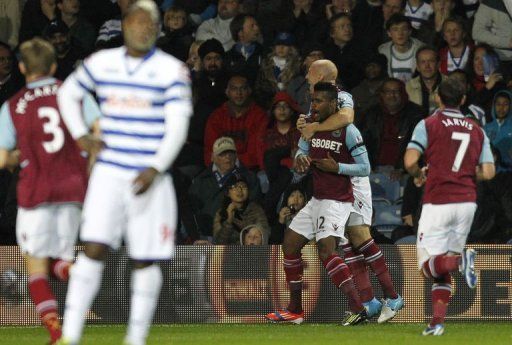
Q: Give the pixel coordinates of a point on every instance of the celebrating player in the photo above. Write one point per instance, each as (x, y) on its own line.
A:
(145, 99)
(53, 178)
(361, 251)
(456, 152)
(325, 215)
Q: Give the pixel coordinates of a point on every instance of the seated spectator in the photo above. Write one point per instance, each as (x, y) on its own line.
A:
(36, 15)
(68, 56)
(365, 94)
(236, 212)
(401, 50)
(82, 33)
(499, 130)
(247, 53)
(239, 118)
(457, 53)
(253, 235)
(387, 127)
(110, 34)
(207, 190)
(431, 32)
(293, 199)
(278, 146)
(344, 51)
(423, 88)
(418, 11)
(278, 68)
(10, 78)
(298, 87)
(177, 33)
(218, 27)
(193, 60)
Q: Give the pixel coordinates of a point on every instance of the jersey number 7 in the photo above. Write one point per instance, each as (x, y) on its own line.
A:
(461, 152)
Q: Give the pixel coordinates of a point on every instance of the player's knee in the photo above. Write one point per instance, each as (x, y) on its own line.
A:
(325, 250)
(358, 234)
(96, 251)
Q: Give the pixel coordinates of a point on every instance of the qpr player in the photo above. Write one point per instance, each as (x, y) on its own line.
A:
(145, 99)
(332, 156)
(456, 152)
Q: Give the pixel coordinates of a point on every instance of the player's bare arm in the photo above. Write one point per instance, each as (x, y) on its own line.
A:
(340, 119)
(9, 159)
(90, 144)
(411, 159)
(485, 171)
(144, 180)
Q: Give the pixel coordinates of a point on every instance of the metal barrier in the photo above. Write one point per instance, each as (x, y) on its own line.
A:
(235, 284)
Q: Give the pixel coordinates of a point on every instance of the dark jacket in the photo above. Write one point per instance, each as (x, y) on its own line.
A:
(372, 129)
(235, 62)
(229, 233)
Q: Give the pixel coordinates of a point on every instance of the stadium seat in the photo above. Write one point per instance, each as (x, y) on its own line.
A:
(381, 182)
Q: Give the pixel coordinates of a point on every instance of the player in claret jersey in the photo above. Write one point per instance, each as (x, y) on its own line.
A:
(333, 156)
(457, 153)
(53, 178)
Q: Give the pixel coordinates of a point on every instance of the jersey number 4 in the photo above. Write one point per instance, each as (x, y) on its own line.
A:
(461, 152)
(52, 126)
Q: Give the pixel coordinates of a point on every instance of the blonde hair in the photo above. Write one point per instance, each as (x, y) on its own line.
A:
(147, 6)
(38, 56)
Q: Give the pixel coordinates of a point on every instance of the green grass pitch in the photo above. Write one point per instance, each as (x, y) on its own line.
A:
(324, 334)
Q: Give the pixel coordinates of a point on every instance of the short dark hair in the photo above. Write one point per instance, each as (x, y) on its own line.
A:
(427, 47)
(237, 25)
(451, 91)
(396, 19)
(335, 18)
(329, 88)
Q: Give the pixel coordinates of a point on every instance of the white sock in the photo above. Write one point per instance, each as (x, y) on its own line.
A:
(146, 285)
(84, 283)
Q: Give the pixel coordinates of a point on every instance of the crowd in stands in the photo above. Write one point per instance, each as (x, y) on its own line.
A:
(249, 59)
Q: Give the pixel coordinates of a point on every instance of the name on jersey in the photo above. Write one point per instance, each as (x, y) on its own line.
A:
(326, 144)
(30, 95)
(457, 122)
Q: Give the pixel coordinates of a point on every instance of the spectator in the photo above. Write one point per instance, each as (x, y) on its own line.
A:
(82, 33)
(239, 118)
(253, 235)
(10, 21)
(493, 25)
(36, 15)
(293, 199)
(278, 68)
(457, 53)
(401, 51)
(236, 212)
(344, 51)
(298, 87)
(365, 94)
(207, 190)
(177, 33)
(193, 60)
(418, 11)
(218, 27)
(500, 130)
(304, 20)
(110, 34)
(68, 56)
(388, 126)
(247, 53)
(431, 32)
(10, 78)
(209, 92)
(423, 88)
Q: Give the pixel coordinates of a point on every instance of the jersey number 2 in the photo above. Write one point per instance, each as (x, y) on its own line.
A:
(52, 127)
(461, 152)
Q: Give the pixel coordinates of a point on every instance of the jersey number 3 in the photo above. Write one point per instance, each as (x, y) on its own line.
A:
(461, 152)
(52, 126)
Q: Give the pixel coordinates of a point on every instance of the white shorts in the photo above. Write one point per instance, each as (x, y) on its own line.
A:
(48, 231)
(362, 213)
(322, 218)
(112, 212)
(443, 228)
